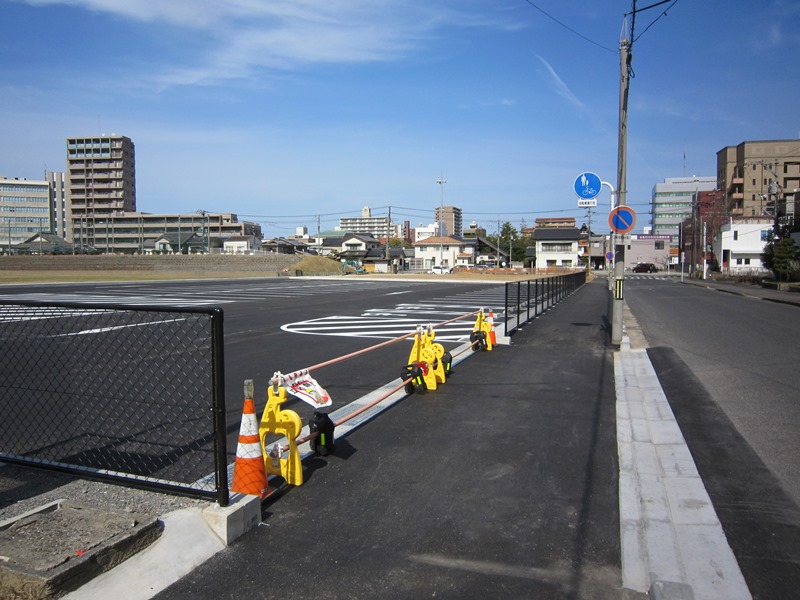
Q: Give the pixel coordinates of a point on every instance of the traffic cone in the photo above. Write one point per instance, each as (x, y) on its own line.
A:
(492, 335)
(249, 474)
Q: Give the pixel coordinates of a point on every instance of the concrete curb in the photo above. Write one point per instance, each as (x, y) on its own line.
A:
(671, 539)
(45, 555)
(186, 543)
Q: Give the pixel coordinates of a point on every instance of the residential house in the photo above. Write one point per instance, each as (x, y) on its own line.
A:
(555, 247)
(281, 245)
(241, 244)
(446, 251)
(740, 244)
(360, 250)
(175, 243)
(44, 243)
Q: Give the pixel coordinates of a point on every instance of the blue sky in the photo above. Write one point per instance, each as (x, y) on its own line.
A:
(296, 112)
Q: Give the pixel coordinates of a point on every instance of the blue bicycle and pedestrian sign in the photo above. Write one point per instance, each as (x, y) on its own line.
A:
(587, 186)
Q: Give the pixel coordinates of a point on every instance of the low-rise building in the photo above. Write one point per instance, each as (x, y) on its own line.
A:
(174, 243)
(740, 244)
(447, 252)
(241, 244)
(129, 232)
(555, 247)
(653, 249)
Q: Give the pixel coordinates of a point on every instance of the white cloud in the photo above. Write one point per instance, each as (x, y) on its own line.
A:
(240, 37)
(561, 88)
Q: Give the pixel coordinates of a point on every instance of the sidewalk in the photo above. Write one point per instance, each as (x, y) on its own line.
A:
(751, 291)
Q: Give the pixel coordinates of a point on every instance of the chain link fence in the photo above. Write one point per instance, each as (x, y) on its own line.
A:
(116, 393)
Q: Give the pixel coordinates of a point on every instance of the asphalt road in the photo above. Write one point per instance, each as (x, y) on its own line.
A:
(744, 351)
(728, 366)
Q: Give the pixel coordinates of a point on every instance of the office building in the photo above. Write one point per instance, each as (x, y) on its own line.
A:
(101, 182)
(24, 210)
(761, 178)
(129, 232)
(673, 201)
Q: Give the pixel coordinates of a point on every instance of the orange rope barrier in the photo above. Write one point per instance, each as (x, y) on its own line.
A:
(366, 407)
(353, 414)
(345, 357)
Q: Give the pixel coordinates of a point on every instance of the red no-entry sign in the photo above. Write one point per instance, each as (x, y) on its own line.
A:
(622, 219)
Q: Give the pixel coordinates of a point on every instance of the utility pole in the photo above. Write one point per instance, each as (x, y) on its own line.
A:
(589, 239)
(622, 154)
(388, 237)
(441, 181)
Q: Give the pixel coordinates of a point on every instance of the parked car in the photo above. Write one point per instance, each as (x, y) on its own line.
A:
(645, 268)
(439, 270)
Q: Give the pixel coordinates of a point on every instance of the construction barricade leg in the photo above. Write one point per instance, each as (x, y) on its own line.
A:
(276, 421)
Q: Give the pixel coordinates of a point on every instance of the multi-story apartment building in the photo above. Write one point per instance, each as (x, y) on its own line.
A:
(450, 220)
(761, 178)
(101, 182)
(377, 227)
(674, 200)
(24, 210)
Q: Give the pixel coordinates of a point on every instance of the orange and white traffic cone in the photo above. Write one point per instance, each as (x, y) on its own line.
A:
(249, 474)
(492, 335)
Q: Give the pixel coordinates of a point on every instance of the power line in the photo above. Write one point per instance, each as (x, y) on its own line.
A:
(568, 28)
(653, 22)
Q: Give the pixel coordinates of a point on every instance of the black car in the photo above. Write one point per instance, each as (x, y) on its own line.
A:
(645, 268)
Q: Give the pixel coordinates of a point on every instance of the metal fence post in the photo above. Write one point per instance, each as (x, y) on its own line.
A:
(505, 307)
(528, 302)
(220, 426)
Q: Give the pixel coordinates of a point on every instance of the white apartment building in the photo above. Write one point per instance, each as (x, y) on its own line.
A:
(740, 244)
(422, 232)
(377, 227)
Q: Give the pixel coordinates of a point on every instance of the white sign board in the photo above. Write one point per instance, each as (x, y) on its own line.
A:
(587, 203)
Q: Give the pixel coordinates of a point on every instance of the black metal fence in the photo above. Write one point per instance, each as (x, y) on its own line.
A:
(525, 300)
(116, 393)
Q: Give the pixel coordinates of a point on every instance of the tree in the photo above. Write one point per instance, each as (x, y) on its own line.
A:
(508, 240)
(780, 258)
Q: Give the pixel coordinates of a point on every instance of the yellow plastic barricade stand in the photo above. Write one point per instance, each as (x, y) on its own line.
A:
(428, 357)
(480, 338)
(438, 353)
(423, 355)
(416, 349)
(281, 422)
(488, 327)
